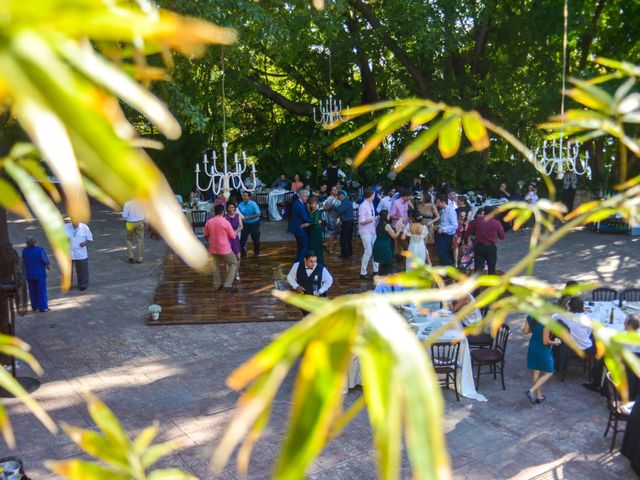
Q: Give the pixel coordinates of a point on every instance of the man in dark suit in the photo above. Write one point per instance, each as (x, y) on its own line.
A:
(299, 219)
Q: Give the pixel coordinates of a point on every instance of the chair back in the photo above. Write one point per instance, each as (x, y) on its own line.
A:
(445, 354)
(262, 199)
(630, 295)
(604, 294)
(500, 342)
(613, 397)
(198, 218)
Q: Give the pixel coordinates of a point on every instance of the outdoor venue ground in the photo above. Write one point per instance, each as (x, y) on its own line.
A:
(99, 340)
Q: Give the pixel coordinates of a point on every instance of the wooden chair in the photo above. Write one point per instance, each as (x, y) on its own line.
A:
(493, 357)
(630, 295)
(618, 412)
(482, 340)
(198, 219)
(604, 294)
(444, 357)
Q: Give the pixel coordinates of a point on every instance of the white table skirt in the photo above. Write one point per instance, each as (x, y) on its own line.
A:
(490, 202)
(275, 196)
(466, 385)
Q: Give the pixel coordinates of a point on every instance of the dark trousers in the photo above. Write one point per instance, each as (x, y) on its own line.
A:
(568, 197)
(346, 234)
(484, 252)
(302, 245)
(444, 248)
(562, 355)
(252, 229)
(82, 272)
(385, 269)
(38, 293)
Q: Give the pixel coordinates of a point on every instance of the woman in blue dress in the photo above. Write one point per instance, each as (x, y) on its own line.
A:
(539, 357)
(36, 264)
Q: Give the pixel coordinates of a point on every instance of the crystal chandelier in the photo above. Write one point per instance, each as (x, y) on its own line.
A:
(329, 110)
(230, 177)
(563, 157)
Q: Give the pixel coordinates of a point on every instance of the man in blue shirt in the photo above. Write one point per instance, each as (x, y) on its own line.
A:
(250, 211)
(280, 183)
(345, 209)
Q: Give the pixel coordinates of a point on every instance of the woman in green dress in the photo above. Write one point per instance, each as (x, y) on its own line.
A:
(315, 229)
(383, 245)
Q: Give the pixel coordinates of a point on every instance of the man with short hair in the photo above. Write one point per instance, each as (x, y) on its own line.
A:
(250, 211)
(487, 232)
(133, 213)
(219, 232)
(299, 220)
(367, 224)
(400, 208)
(345, 209)
(447, 229)
(333, 174)
(387, 200)
(310, 277)
(80, 237)
(280, 183)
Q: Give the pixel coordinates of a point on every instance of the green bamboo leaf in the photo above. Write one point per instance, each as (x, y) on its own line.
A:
(624, 89)
(522, 217)
(629, 104)
(107, 422)
(601, 215)
(142, 441)
(591, 96)
(104, 73)
(423, 116)
(81, 470)
(631, 118)
(353, 112)
(450, 136)
(628, 68)
(421, 143)
(350, 136)
(244, 454)
(48, 215)
(475, 131)
(318, 393)
(309, 303)
(5, 427)
(398, 116)
(99, 194)
(170, 474)
(156, 452)
(97, 446)
(373, 142)
(35, 168)
(14, 388)
(618, 374)
(11, 200)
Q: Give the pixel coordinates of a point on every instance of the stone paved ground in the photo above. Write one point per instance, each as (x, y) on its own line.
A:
(98, 340)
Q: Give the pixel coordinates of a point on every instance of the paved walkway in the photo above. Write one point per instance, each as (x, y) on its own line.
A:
(98, 339)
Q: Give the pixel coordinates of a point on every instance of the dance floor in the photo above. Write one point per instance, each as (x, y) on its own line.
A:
(187, 297)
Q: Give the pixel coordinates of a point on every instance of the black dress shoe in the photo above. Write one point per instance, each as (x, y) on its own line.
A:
(138, 261)
(365, 277)
(592, 387)
(82, 288)
(131, 260)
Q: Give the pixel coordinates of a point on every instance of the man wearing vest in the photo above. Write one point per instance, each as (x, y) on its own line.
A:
(309, 277)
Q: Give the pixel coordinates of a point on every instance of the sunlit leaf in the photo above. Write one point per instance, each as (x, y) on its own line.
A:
(591, 96)
(422, 142)
(107, 421)
(450, 136)
(626, 67)
(475, 131)
(97, 446)
(11, 200)
(629, 104)
(144, 439)
(350, 136)
(48, 215)
(423, 116)
(81, 470)
(170, 474)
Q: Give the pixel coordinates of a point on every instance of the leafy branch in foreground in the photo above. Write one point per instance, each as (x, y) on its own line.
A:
(18, 349)
(64, 94)
(122, 459)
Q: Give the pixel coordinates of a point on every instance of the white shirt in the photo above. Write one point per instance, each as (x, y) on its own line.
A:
(325, 282)
(133, 211)
(531, 197)
(385, 204)
(449, 220)
(340, 173)
(580, 333)
(77, 236)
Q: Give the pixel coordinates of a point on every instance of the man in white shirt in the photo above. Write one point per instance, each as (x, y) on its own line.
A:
(580, 334)
(309, 277)
(79, 236)
(367, 229)
(133, 213)
(447, 229)
(387, 200)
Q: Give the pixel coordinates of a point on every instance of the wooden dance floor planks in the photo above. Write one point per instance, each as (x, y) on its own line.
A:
(187, 297)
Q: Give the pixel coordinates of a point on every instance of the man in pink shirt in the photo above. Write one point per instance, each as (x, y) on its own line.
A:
(219, 231)
(367, 228)
(400, 211)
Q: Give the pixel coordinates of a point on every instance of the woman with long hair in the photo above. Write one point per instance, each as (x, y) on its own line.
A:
(417, 234)
(234, 217)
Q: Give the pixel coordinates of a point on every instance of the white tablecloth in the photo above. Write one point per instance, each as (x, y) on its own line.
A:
(425, 325)
(275, 196)
(601, 313)
(489, 202)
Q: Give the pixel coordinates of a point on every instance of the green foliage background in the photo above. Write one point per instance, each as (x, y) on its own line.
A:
(503, 59)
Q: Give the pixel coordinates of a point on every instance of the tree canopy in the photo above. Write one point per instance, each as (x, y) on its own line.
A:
(503, 59)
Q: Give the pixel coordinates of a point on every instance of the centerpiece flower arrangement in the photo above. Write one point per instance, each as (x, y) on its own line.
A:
(154, 310)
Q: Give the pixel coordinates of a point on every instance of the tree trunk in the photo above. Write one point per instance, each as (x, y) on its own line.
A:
(369, 87)
(587, 38)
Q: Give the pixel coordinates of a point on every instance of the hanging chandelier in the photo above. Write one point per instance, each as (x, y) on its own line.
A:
(329, 110)
(563, 156)
(230, 177)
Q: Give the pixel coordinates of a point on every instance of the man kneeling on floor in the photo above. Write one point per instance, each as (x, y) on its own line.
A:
(310, 277)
